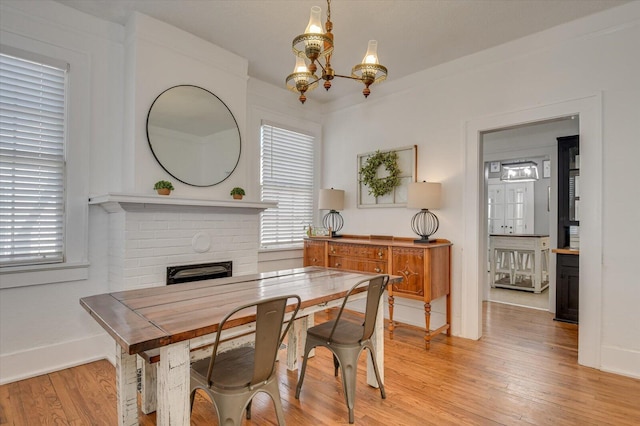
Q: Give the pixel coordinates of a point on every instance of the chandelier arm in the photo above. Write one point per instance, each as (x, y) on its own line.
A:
(349, 76)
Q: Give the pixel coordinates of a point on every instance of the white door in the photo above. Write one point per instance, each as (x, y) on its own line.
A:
(510, 207)
(496, 208)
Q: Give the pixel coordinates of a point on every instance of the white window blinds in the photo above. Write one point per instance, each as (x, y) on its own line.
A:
(32, 162)
(286, 176)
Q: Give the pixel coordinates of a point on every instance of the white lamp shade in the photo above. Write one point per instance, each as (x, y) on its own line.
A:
(424, 195)
(331, 199)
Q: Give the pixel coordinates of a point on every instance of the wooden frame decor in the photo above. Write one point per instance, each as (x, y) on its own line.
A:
(383, 177)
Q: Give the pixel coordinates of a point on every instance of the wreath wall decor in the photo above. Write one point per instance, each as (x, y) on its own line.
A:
(374, 190)
(368, 173)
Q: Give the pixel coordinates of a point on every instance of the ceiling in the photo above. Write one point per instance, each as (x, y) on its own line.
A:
(412, 34)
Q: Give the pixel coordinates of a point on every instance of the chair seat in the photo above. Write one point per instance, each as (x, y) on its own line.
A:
(346, 333)
(233, 369)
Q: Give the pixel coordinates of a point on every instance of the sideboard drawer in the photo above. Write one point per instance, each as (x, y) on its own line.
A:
(361, 265)
(358, 250)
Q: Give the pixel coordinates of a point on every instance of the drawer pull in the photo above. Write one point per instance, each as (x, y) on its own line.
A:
(377, 270)
(380, 254)
(314, 260)
(338, 265)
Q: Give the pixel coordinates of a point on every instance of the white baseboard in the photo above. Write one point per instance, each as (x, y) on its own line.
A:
(46, 359)
(620, 361)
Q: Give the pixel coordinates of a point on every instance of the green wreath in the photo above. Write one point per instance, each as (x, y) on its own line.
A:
(381, 186)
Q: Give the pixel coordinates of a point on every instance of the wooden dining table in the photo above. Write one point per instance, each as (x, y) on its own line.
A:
(169, 318)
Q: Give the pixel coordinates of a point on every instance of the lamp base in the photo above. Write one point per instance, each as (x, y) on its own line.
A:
(334, 235)
(424, 240)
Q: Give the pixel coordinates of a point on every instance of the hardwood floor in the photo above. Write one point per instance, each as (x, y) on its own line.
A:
(523, 371)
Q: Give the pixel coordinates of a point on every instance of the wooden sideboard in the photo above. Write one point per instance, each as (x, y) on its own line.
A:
(425, 268)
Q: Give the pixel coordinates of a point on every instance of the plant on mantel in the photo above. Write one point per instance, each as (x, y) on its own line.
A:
(164, 187)
(237, 193)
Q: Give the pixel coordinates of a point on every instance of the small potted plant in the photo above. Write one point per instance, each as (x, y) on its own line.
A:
(237, 193)
(163, 187)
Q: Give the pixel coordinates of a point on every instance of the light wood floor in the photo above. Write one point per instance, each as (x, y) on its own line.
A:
(522, 371)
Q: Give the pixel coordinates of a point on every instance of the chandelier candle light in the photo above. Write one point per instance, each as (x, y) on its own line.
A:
(316, 45)
(424, 196)
(332, 200)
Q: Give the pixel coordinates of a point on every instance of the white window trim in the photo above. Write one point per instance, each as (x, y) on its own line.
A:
(75, 266)
(281, 127)
(260, 115)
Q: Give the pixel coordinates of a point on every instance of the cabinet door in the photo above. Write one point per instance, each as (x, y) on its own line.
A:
(567, 288)
(313, 253)
(409, 263)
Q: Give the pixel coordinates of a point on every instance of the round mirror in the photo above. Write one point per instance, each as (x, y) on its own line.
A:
(193, 135)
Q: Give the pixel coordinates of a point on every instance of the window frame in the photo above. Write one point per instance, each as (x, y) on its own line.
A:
(78, 116)
(314, 184)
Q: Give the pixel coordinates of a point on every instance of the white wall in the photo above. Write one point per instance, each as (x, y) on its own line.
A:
(593, 56)
(43, 327)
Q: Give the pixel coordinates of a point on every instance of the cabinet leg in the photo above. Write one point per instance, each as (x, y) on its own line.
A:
(391, 326)
(427, 320)
(448, 314)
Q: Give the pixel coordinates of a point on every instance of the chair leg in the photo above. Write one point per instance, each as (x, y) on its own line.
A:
(273, 391)
(349, 378)
(336, 365)
(249, 409)
(383, 394)
(192, 399)
(227, 408)
(307, 349)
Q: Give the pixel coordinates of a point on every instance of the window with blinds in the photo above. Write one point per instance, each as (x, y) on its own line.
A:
(286, 176)
(32, 161)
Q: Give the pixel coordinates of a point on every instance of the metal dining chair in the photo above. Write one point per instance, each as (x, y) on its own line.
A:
(346, 340)
(233, 378)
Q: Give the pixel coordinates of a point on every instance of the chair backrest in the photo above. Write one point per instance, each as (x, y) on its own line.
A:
(269, 318)
(377, 286)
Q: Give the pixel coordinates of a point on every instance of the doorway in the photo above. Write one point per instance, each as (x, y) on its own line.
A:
(589, 110)
(522, 206)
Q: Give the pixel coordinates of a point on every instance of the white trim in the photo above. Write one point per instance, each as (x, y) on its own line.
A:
(46, 359)
(117, 202)
(24, 276)
(589, 109)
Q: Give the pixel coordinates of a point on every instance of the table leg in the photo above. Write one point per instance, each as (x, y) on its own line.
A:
(537, 272)
(126, 387)
(297, 335)
(149, 386)
(173, 385)
(378, 344)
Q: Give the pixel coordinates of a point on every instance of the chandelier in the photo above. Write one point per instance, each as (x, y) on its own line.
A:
(316, 46)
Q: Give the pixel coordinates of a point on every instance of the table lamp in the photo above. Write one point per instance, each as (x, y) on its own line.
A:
(424, 196)
(332, 200)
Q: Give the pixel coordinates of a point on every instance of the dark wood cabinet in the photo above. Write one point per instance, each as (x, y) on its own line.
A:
(567, 253)
(567, 288)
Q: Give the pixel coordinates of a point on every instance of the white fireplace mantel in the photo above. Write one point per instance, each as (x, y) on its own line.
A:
(117, 202)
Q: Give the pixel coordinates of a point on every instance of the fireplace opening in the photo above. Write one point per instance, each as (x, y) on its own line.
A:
(203, 271)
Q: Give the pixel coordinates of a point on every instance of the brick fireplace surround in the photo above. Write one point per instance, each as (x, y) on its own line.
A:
(148, 233)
